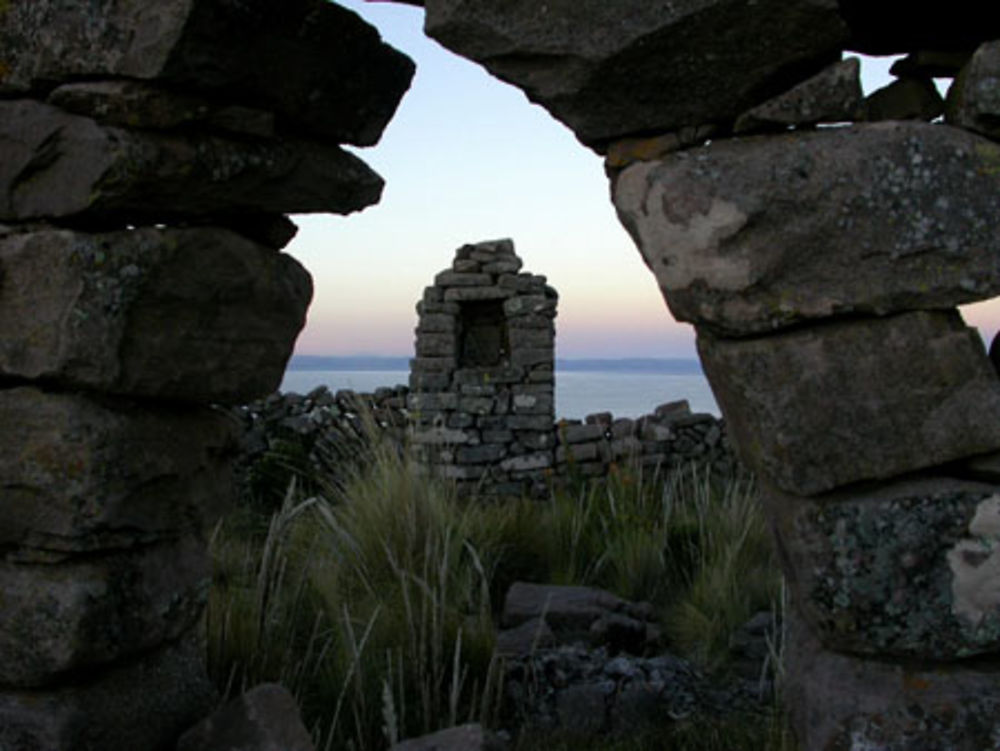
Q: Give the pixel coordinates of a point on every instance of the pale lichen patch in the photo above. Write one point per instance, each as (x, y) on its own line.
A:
(975, 565)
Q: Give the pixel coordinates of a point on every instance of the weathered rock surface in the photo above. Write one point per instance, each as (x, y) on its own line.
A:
(974, 98)
(471, 737)
(830, 405)
(833, 95)
(335, 76)
(55, 165)
(132, 104)
(265, 718)
(844, 702)
(141, 704)
(186, 314)
(80, 475)
(707, 61)
(907, 570)
(748, 235)
(90, 611)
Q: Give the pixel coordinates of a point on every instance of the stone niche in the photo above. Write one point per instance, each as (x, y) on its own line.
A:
(482, 384)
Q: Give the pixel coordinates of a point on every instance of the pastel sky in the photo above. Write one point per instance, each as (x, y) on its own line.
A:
(468, 158)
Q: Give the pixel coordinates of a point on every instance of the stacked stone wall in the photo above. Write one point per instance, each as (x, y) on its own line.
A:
(149, 153)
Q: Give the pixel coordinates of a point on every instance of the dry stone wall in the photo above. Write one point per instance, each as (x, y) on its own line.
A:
(149, 153)
(820, 242)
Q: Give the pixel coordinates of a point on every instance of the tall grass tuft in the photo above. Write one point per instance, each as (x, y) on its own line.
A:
(376, 601)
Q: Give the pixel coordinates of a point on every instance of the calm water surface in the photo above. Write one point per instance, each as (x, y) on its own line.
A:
(577, 393)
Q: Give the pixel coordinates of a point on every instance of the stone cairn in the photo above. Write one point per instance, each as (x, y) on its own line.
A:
(481, 385)
(821, 267)
(148, 155)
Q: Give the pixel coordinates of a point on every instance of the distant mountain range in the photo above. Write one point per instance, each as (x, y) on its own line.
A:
(672, 366)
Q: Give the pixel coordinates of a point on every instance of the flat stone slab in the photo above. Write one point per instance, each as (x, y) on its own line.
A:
(83, 613)
(199, 315)
(749, 235)
(842, 702)
(327, 70)
(141, 704)
(593, 64)
(55, 165)
(78, 475)
(830, 405)
(906, 570)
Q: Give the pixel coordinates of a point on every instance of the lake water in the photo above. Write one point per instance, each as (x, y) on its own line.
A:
(578, 393)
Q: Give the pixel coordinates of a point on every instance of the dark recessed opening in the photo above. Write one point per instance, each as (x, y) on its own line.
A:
(483, 340)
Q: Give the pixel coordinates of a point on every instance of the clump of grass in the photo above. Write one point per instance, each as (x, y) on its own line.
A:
(375, 603)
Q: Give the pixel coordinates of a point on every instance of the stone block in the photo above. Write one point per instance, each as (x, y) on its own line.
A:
(577, 452)
(530, 422)
(455, 279)
(431, 402)
(906, 569)
(536, 441)
(531, 356)
(831, 96)
(531, 338)
(54, 165)
(465, 266)
(139, 704)
(532, 321)
(436, 323)
(830, 405)
(904, 99)
(527, 462)
(507, 266)
(184, 314)
(528, 283)
(80, 614)
(476, 405)
(445, 436)
(590, 75)
(432, 365)
(542, 374)
(622, 448)
(484, 376)
(974, 98)
(430, 382)
(464, 294)
(80, 475)
(533, 305)
(436, 345)
(533, 404)
(320, 54)
(842, 702)
(464, 472)
(265, 718)
(131, 104)
(581, 433)
(497, 435)
(487, 453)
(749, 235)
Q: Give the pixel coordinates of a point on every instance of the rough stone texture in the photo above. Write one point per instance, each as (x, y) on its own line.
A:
(892, 27)
(54, 165)
(904, 99)
(833, 95)
(843, 702)
(829, 405)
(335, 78)
(706, 61)
(931, 64)
(86, 612)
(748, 235)
(131, 104)
(472, 737)
(78, 475)
(974, 97)
(195, 314)
(907, 570)
(142, 704)
(265, 718)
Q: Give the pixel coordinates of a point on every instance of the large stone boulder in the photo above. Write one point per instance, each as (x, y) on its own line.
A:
(55, 165)
(79, 613)
(831, 405)
(748, 235)
(317, 65)
(907, 570)
(143, 703)
(615, 69)
(974, 98)
(80, 475)
(844, 702)
(184, 314)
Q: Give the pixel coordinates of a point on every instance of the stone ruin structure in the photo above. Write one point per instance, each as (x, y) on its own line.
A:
(482, 390)
(149, 153)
